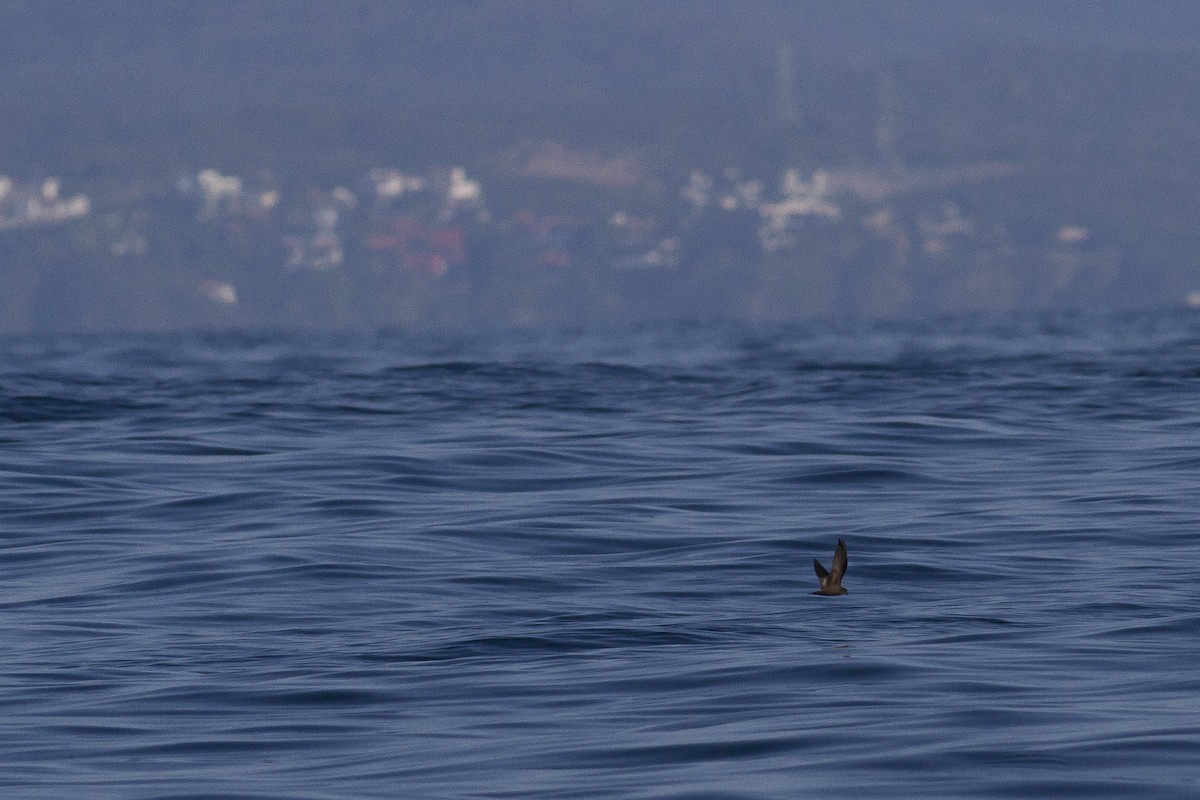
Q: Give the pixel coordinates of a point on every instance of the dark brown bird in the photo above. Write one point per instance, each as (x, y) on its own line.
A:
(831, 580)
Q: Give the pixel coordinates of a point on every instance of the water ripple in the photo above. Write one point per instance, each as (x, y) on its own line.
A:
(579, 566)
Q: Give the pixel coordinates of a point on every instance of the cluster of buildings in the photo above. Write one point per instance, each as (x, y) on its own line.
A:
(429, 224)
(25, 204)
(415, 222)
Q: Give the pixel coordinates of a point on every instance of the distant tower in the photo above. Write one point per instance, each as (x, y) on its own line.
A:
(885, 125)
(786, 108)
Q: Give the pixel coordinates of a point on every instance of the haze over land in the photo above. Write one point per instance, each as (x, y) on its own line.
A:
(288, 164)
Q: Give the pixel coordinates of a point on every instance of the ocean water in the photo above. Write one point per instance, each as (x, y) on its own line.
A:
(578, 565)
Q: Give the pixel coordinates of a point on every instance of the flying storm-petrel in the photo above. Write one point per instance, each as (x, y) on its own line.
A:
(831, 580)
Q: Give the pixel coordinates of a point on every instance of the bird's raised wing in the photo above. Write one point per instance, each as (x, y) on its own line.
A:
(839, 561)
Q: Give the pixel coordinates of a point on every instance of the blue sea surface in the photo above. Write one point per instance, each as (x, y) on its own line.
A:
(578, 565)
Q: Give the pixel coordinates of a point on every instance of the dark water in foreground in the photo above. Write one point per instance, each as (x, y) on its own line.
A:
(545, 566)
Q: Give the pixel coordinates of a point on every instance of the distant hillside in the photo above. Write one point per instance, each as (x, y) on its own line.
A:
(227, 163)
(96, 89)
